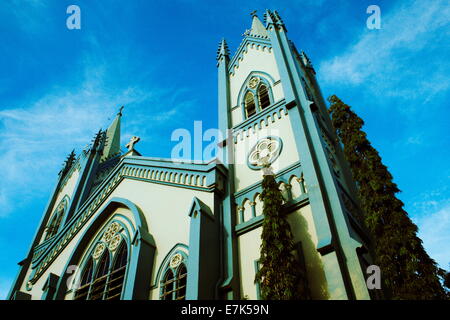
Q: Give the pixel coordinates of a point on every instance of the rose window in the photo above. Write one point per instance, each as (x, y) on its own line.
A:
(265, 152)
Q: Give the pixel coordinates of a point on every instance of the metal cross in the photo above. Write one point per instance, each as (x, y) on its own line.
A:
(253, 13)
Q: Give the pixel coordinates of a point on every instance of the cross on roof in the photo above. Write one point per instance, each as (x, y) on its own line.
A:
(253, 13)
(133, 141)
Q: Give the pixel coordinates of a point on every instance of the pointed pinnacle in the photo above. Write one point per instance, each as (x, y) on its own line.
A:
(277, 17)
(223, 49)
(269, 17)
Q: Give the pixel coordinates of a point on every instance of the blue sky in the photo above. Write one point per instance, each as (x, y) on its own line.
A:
(59, 86)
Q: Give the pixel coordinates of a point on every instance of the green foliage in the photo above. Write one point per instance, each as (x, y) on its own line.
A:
(281, 276)
(407, 270)
(447, 280)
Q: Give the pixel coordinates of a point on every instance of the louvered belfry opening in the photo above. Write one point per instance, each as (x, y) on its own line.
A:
(250, 107)
(264, 99)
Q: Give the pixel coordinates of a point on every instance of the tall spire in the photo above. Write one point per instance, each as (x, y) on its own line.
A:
(112, 145)
(258, 29)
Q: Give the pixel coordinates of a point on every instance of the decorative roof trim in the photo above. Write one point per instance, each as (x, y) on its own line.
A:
(129, 168)
(234, 62)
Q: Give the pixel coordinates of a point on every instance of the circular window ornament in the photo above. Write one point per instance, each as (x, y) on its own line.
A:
(175, 260)
(109, 233)
(98, 250)
(253, 82)
(264, 153)
(115, 241)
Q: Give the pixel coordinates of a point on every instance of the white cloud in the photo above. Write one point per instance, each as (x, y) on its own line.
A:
(393, 60)
(36, 135)
(415, 140)
(35, 139)
(434, 230)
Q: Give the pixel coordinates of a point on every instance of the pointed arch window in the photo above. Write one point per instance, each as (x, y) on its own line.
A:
(104, 273)
(174, 279)
(181, 282)
(263, 96)
(168, 286)
(250, 106)
(174, 284)
(117, 276)
(99, 283)
(55, 222)
(257, 97)
(86, 279)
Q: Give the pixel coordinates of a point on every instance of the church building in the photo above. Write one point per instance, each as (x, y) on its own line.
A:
(128, 226)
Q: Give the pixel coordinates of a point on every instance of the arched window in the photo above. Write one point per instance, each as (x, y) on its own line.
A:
(55, 222)
(104, 274)
(181, 282)
(85, 281)
(250, 106)
(263, 96)
(168, 286)
(99, 283)
(174, 283)
(115, 283)
(257, 96)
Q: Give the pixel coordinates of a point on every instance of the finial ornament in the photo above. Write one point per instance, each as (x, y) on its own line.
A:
(133, 141)
(120, 111)
(253, 13)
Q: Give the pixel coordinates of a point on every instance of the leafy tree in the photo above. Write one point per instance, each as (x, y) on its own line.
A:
(281, 275)
(406, 269)
(445, 278)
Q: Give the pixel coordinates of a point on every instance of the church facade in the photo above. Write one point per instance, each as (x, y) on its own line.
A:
(126, 226)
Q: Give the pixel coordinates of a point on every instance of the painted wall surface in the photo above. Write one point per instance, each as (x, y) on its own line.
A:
(165, 209)
(303, 229)
(68, 188)
(244, 176)
(256, 59)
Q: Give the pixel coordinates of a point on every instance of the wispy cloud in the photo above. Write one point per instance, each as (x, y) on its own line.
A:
(37, 134)
(31, 16)
(35, 138)
(434, 230)
(393, 61)
(431, 212)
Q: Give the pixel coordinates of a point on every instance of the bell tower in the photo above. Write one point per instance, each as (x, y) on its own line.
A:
(272, 111)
